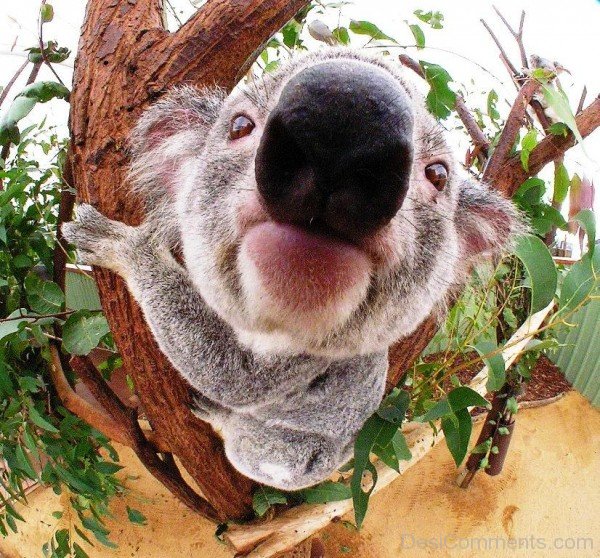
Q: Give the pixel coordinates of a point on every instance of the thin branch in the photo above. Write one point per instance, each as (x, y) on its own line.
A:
(581, 100)
(12, 80)
(65, 212)
(512, 174)
(41, 43)
(477, 135)
(518, 35)
(511, 128)
(96, 418)
(506, 60)
(165, 470)
(411, 63)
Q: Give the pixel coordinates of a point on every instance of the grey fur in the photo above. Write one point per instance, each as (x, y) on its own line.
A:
(287, 400)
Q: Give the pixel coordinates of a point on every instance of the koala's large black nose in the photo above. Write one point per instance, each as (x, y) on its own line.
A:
(336, 150)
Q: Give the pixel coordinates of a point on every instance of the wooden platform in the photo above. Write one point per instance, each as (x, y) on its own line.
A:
(547, 496)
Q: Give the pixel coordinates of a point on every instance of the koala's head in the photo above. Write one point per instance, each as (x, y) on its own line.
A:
(320, 210)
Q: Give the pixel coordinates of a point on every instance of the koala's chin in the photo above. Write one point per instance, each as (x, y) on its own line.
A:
(299, 285)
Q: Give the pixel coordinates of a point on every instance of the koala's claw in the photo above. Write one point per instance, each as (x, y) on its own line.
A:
(99, 241)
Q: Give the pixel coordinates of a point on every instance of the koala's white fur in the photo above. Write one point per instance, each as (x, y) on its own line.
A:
(287, 388)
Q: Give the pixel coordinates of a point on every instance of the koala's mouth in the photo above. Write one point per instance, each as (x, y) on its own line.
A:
(293, 269)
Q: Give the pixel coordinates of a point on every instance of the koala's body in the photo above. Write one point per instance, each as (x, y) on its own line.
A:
(321, 217)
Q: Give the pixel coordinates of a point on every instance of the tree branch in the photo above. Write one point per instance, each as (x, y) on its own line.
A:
(503, 54)
(473, 129)
(511, 128)
(518, 35)
(512, 174)
(219, 43)
(12, 81)
(96, 418)
(165, 470)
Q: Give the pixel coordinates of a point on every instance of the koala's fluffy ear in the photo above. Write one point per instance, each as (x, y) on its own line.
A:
(485, 220)
(170, 131)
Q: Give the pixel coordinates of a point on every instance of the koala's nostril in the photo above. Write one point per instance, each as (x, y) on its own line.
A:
(337, 147)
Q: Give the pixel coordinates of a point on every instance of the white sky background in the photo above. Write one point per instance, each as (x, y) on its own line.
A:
(566, 32)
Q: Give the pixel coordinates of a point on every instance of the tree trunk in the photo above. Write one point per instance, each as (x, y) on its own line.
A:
(126, 59)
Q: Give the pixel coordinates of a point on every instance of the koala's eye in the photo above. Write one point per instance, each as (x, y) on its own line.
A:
(240, 127)
(437, 174)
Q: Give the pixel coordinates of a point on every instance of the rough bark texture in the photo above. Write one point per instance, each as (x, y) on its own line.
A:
(125, 60)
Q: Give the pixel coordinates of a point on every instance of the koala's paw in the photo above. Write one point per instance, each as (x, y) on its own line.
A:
(99, 241)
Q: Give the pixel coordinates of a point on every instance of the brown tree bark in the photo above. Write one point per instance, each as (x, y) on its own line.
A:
(126, 59)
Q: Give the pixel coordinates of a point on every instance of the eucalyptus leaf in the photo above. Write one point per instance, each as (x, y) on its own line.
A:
(136, 516)
(82, 332)
(495, 364)
(44, 297)
(327, 491)
(587, 220)
(265, 497)
(540, 269)
(418, 35)
(369, 29)
(558, 101)
(458, 433)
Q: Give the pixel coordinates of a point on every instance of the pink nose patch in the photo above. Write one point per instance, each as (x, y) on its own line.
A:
(303, 270)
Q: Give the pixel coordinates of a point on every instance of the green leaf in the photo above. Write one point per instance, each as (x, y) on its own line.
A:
(46, 13)
(531, 192)
(44, 91)
(79, 552)
(394, 407)
(38, 420)
(587, 220)
(434, 19)
(441, 100)
(136, 516)
(540, 269)
(561, 183)
(528, 143)
(82, 332)
(360, 497)
(107, 468)
(327, 491)
(463, 397)
(418, 35)
(458, 434)
(44, 297)
(577, 284)
(495, 364)
(24, 463)
(558, 129)
(375, 431)
(265, 497)
(395, 451)
(12, 325)
(369, 29)
(341, 35)
(440, 409)
(558, 101)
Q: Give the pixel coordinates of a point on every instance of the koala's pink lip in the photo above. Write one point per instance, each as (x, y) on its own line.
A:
(303, 269)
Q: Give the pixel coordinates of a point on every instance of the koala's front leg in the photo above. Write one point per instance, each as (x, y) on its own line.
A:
(186, 330)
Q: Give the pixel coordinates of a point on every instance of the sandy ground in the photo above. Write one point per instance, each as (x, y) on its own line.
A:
(547, 501)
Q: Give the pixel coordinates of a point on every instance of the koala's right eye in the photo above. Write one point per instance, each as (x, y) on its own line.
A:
(240, 127)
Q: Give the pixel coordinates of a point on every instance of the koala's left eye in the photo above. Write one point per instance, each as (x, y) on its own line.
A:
(240, 127)
(437, 174)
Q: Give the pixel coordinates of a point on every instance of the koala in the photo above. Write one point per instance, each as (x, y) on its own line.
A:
(319, 215)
